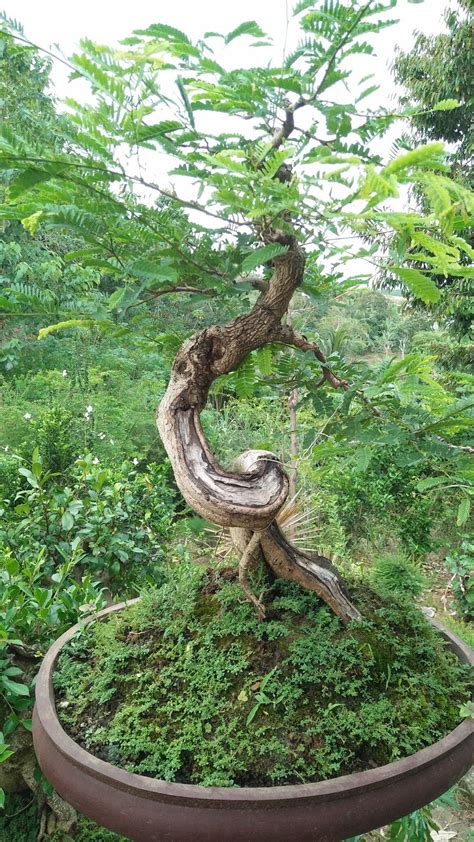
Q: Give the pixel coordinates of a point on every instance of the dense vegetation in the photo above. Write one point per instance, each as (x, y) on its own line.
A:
(93, 254)
(292, 700)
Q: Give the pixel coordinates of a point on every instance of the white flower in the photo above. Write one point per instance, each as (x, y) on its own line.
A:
(95, 461)
(6, 448)
(135, 461)
(102, 436)
(64, 372)
(88, 410)
(27, 416)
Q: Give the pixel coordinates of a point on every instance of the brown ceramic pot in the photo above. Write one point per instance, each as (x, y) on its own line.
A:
(149, 810)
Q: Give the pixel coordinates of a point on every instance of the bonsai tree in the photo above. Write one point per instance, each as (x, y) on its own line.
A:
(181, 176)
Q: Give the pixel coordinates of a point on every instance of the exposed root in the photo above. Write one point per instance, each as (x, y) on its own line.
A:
(314, 572)
(42, 825)
(244, 564)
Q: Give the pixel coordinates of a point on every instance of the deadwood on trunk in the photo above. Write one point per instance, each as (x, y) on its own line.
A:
(248, 498)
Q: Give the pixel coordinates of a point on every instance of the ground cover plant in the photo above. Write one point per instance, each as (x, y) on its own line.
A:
(189, 686)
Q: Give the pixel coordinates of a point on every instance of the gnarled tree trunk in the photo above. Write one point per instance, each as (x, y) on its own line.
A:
(249, 498)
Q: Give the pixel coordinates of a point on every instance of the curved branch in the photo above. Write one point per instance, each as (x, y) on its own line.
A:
(289, 337)
(247, 499)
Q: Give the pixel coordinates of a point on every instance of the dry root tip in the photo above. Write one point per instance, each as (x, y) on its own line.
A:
(248, 556)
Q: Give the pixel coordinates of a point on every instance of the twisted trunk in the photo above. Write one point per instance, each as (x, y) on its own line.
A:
(248, 498)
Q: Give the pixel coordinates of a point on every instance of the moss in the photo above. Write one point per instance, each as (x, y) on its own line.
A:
(188, 686)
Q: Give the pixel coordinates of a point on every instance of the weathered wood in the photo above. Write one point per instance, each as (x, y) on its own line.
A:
(250, 497)
(314, 572)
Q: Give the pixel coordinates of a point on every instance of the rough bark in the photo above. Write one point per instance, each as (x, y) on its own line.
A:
(250, 497)
(292, 404)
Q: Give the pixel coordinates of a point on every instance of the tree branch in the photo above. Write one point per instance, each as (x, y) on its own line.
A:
(289, 337)
(157, 293)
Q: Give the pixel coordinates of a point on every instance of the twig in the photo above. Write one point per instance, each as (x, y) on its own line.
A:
(21, 810)
(244, 563)
(157, 293)
(288, 336)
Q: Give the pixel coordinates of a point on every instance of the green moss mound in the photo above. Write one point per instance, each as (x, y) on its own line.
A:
(188, 686)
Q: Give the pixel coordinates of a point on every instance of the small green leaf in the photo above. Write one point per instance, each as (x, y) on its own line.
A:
(446, 104)
(15, 687)
(45, 331)
(467, 710)
(262, 255)
(116, 297)
(430, 482)
(163, 31)
(463, 511)
(26, 180)
(30, 478)
(31, 223)
(154, 271)
(186, 101)
(420, 285)
(249, 27)
(431, 154)
(363, 458)
(67, 521)
(252, 714)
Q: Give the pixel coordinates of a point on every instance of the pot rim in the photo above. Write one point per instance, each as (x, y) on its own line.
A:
(159, 790)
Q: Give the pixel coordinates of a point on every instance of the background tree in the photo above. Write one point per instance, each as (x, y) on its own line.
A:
(440, 66)
(267, 192)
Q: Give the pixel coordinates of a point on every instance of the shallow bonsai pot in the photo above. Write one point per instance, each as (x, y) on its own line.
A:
(149, 810)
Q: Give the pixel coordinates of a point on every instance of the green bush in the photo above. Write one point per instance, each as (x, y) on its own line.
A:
(10, 480)
(35, 608)
(394, 573)
(59, 437)
(383, 499)
(113, 520)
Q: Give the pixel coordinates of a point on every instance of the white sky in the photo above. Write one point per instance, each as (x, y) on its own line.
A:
(61, 22)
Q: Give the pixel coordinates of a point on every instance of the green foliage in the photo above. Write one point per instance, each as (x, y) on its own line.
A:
(36, 606)
(88, 831)
(461, 566)
(57, 435)
(382, 496)
(396, 574)
(239, 702)
(111, 520)
(437, 70)
(124, 257)
(73, 187)
(20, 822)
(419, 284)
(440, 66)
